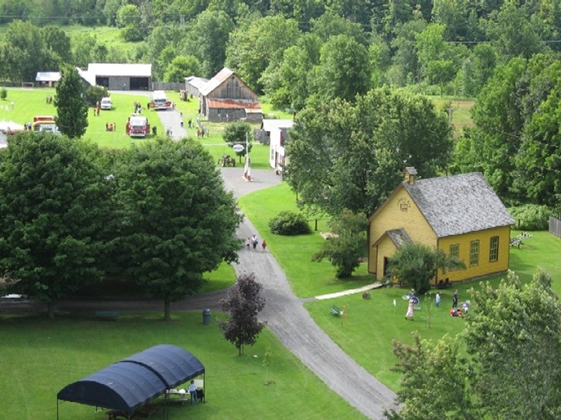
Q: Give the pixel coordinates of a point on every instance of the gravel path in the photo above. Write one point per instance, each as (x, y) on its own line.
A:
(288, 319)
(283, 311)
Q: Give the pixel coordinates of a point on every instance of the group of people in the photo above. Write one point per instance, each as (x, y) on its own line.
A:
(455, 311)
(49, 100)
(97, 109)
(137, 107)
(110, 126)
(253, 242)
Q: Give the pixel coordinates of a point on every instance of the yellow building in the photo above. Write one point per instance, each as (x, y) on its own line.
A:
(459, 214)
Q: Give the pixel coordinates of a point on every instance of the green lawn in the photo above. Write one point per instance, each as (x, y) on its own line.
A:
(294, 253)
(31, 102)
(40, 357)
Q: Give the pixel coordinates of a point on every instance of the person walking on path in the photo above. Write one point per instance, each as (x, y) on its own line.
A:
(455, 299)
(248, 243)
(254, 242)
(193, 392)
(411, 305)
(437, 301)
(264, 245)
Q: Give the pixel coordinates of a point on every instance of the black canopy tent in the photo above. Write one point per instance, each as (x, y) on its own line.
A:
(131, 383)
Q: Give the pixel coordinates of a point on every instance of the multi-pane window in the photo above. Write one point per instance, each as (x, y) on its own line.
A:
(473, 253)
(494, 249)
(455, 250)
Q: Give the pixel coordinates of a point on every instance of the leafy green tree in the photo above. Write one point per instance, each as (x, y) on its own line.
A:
(439, 60)
(405, 62)
(52, 205)
(344, 250)
(129, 18)
(176, 220)
(207, 40)
(82, 46)
(252, 48)
(3, 93)
(181, 67)
(415, 265)
(518, 370)
(287, 84)
(344, 155)
(72, 110)
(24, 52)
(434, 382)
(344, 70)
(238, 132)
(511, 369)
(332, 24)
(58, 43)
(513, 33)
(243, 303)
(94, 94)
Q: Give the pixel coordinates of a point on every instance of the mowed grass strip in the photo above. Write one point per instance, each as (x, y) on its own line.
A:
(41, 357)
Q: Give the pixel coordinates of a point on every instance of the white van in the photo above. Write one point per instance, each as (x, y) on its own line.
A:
(106, 103)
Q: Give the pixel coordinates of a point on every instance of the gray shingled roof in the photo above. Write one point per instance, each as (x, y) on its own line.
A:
(399, 237)
(216, 81)
(454, 205)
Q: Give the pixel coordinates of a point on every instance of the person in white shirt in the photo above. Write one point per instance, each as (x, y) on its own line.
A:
(193, 392)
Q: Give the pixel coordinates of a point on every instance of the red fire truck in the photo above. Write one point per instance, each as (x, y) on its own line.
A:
(137, 126)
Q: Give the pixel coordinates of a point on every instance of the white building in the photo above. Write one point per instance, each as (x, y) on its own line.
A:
(277, 133)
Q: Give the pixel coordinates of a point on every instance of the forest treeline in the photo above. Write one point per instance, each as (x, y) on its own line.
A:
(287, 48)
(316, 56)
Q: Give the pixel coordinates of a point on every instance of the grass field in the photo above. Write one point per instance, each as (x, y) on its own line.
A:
(39, 358)
(31, 102)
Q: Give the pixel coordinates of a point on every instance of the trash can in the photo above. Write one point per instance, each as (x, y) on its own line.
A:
(155, 130)
(206, 316)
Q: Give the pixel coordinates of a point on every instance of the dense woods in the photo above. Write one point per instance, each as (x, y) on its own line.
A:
(314, 56)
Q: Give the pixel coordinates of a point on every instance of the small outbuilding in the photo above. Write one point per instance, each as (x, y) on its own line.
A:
(47, 78)
(131, 383)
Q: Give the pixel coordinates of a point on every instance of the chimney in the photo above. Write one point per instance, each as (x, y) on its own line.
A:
(409, 175)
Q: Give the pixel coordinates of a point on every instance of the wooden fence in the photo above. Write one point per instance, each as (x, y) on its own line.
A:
(555, 226)
(168, 86)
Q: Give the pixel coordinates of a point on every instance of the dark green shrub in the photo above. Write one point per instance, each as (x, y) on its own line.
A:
(531, 217)
(95, 93)
(289, 223)
(3, 93)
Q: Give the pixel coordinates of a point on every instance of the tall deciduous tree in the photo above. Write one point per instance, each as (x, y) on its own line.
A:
(52, 200)
(253, 47)
(243, 303)
(344, 155)
(344, 70)
(72, 110)
(207, 40)
(180, 67)
(415, 265)
(344, 251)
(177, 221)
(511, 370)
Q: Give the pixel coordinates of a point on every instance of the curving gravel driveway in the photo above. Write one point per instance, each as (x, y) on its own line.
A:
(288, 319)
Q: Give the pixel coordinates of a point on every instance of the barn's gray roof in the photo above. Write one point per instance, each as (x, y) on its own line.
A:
(454, 205)
(196, 82)
(216, 81)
